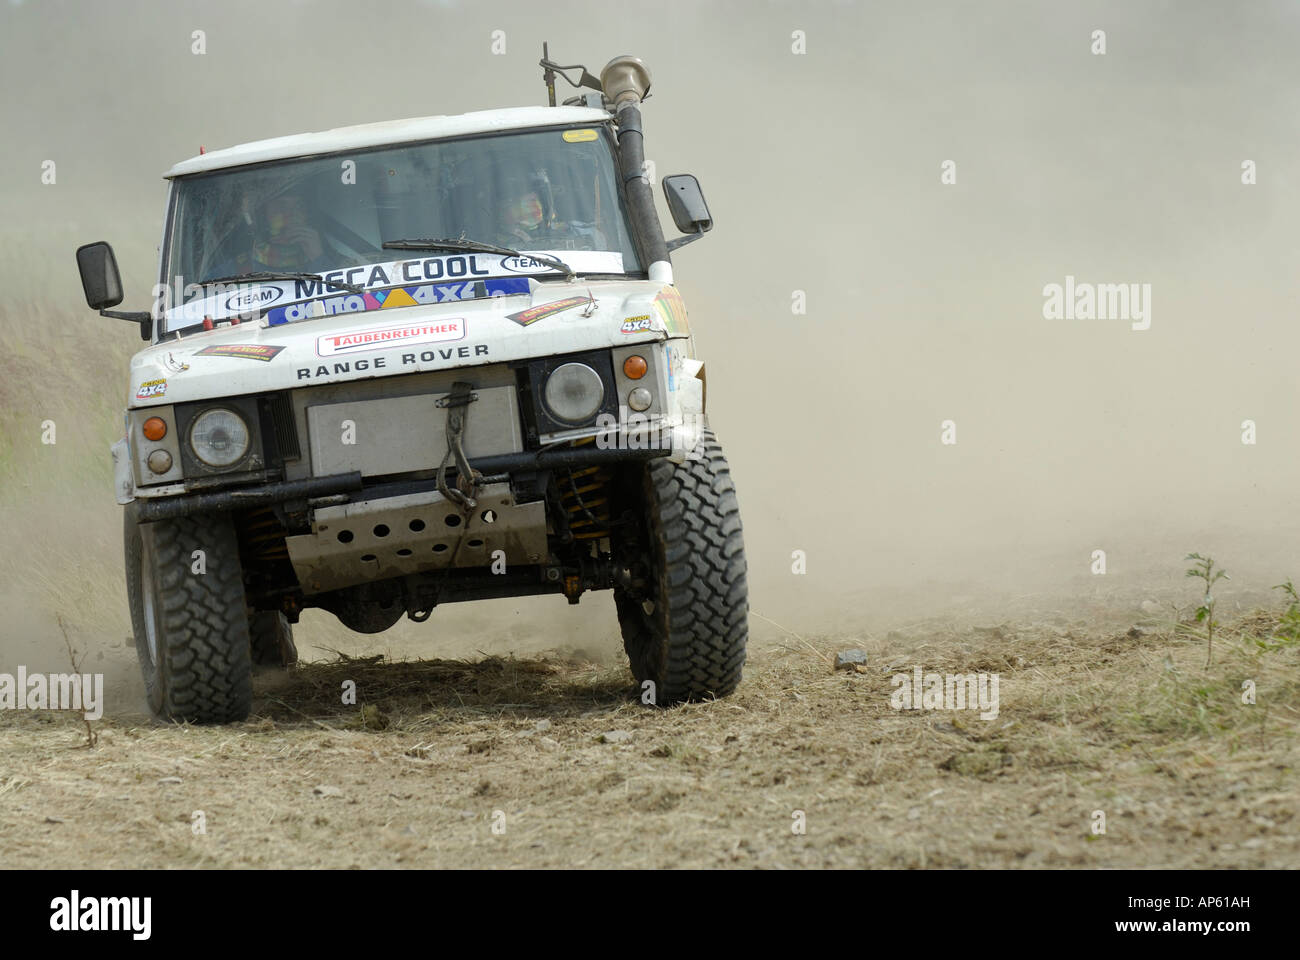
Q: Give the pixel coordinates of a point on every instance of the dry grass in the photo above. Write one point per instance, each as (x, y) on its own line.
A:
(415, 773)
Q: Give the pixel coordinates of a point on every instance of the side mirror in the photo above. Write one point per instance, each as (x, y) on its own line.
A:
(686, 203)
(100, 278)
(102, 284)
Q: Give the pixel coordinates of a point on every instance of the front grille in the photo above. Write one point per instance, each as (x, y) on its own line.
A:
(286, 433)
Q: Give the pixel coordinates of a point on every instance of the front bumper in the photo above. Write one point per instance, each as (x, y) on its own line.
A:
(493, 468)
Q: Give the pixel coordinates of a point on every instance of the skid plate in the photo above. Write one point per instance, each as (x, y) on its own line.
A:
(396, 536)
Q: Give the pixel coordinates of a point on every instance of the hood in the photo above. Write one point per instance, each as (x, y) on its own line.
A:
(401, 335)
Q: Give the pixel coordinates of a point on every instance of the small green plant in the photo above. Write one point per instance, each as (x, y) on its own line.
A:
(1287, 633)
(92, 737)
(1203, 569)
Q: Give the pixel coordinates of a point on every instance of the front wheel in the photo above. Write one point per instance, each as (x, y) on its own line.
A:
(186, 591)
(685, 618)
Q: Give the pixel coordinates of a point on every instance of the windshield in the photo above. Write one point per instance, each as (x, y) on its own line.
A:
(549, 191)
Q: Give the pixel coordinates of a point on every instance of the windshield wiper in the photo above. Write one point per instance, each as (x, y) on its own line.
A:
(284, 275)
(477, 246)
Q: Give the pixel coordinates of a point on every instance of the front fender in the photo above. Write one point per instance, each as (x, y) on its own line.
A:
(124, 485)
(688, 429)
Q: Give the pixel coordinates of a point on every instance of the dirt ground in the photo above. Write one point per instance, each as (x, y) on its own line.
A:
(550, 761)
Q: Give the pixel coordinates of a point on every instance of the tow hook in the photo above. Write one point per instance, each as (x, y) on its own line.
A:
(468, 479)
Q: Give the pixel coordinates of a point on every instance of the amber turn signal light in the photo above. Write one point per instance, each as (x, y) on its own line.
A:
(634, 368)
(155, 428)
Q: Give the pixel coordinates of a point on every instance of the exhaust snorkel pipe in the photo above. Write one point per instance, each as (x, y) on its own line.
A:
(625, 81)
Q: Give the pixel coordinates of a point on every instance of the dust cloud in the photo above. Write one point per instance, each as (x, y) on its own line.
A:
(924, 300)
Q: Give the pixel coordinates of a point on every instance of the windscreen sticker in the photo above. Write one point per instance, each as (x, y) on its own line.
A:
(252, 351)
(579, 136)
(152, 389)
(398, 297)
(637, 324)
(533, 314)
(359, 341)
(251, 299)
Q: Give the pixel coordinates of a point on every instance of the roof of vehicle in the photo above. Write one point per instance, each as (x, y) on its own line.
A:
(383, 133)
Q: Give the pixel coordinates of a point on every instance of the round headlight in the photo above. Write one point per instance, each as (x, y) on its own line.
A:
(574, 392)
(219, 437)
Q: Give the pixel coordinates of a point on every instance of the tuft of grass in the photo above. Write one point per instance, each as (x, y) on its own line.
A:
(1181, 707)
(1183, 703)
(1287, 633)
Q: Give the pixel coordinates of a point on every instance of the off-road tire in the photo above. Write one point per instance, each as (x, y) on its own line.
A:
(691, 645)
(202, 669)
(271, 636)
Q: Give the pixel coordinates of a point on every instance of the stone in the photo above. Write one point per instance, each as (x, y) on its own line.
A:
(848, 659)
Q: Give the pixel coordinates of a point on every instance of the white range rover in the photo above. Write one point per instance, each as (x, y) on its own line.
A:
(417, 362)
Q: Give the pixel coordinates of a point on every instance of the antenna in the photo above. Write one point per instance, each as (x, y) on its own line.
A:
(548, 74)
(550, 69)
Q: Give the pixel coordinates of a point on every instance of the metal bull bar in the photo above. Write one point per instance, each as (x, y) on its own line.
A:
(151, 511)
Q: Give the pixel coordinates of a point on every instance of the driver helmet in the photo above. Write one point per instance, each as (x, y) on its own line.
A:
(276, 219)
(528, 202)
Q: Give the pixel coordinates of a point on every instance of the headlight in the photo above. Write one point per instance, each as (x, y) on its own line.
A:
(219, 437)
(574, 392)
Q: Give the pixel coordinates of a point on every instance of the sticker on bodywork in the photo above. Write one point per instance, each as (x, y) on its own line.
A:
(674, 358)
(672, 310)
(637, 324)
(533, 314)
(398, 297)
(455, 272)
(358, 341)
(152, 389)
(250, 351)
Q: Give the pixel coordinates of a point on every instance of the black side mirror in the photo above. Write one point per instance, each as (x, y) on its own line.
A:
(686, 203)
(100, 278)
(102, 284)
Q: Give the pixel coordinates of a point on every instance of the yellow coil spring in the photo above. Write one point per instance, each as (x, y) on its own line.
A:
(584, 493)
(265, 536)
